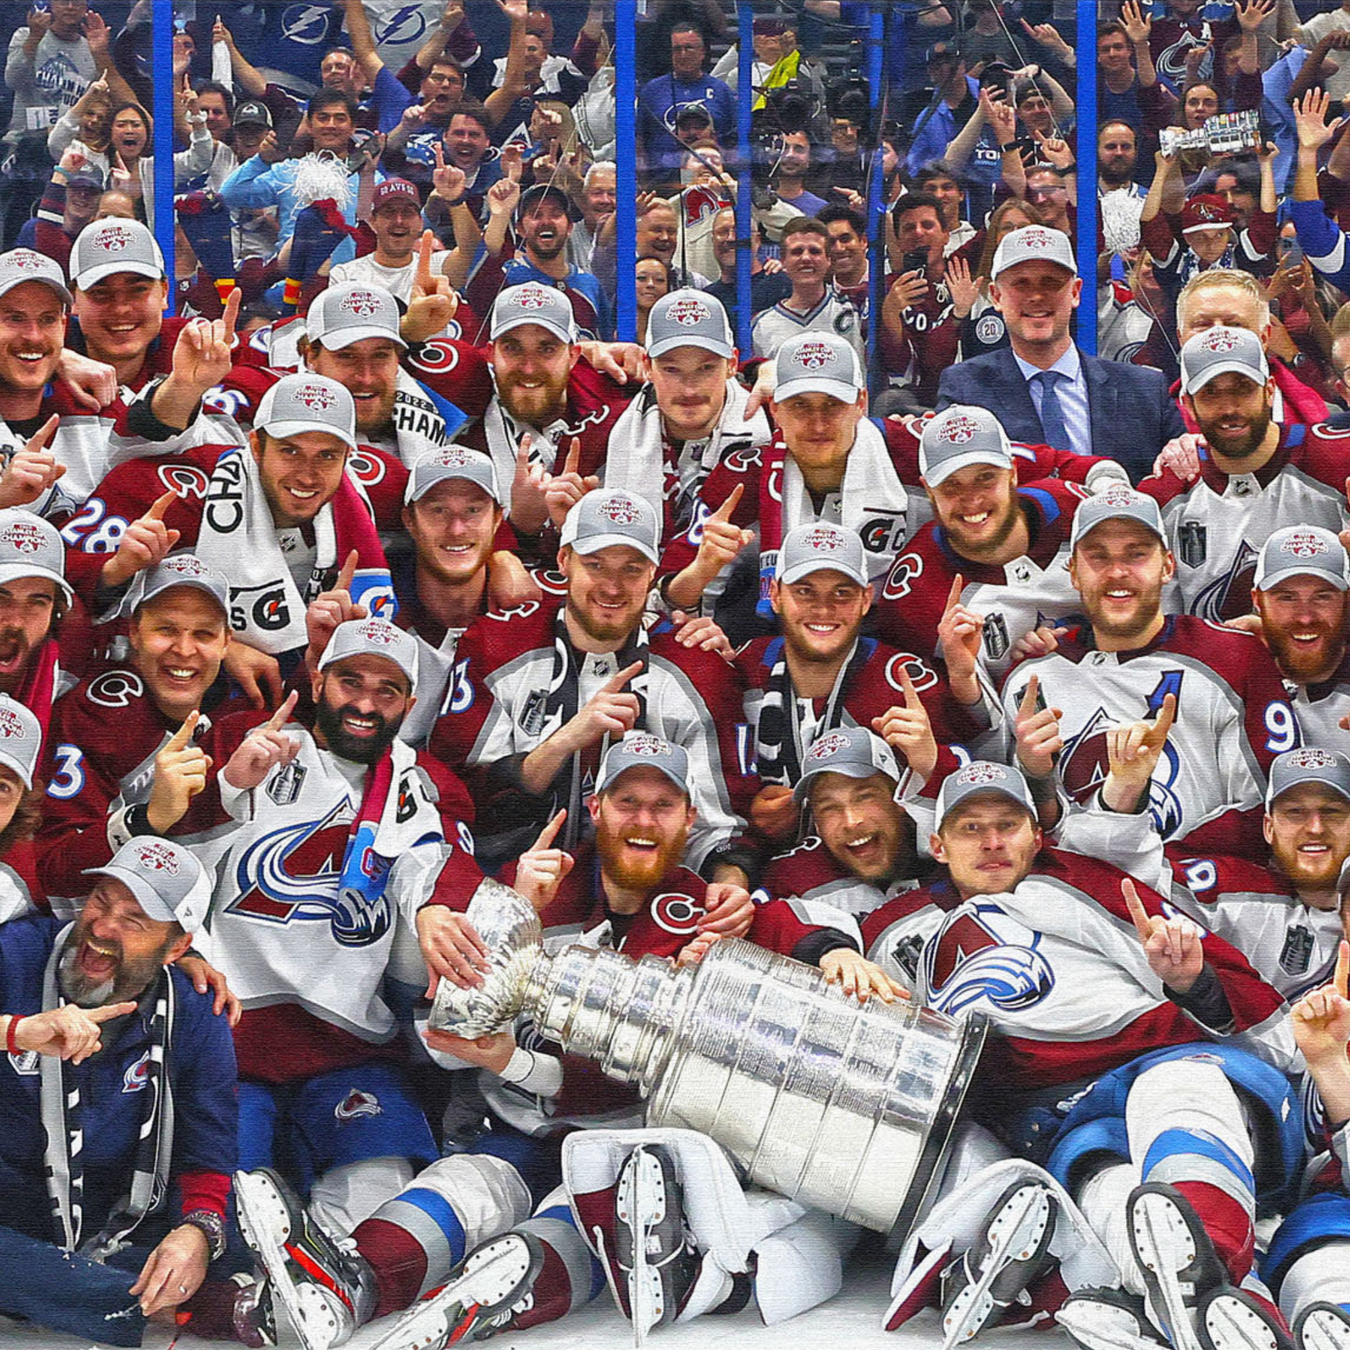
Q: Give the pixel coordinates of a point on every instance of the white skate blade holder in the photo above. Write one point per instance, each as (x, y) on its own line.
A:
(641, 1204)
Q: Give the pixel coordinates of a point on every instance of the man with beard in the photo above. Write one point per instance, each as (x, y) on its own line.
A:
(1255, 476)
(331, 841)
(502, 1202)
(548, 686)
(543, 224)
(101, 1027)
(122, 751)
(822, 675)
(766, 288)
(1232, 713)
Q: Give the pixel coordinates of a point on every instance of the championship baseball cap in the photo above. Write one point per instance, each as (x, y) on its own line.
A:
(855, 752)
(1208, 211)
(1309, 764)
(106, 247)
(26, 264)
(818, 363)
(20, 739)
(252, 113)
(394, 190)
(1117, 502)
(307, 402)
(183, 569)
(1033, 243)
(960, 436)
(532, 303)
(643, 750)
(346, 314)
(689, 318)
(1218, 351)
(817, 546)
(451, 461)
(980, 776)
(31, 547)
(373, 637)
(610, 516)
(167, 880)
(1302, 551)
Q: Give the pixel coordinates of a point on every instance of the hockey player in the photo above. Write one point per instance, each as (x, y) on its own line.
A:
(1139, 1057)
(121, 756)
(277, 516)
(1256, 476)
(822, 675)
(630, 893)
(689, 415)
(540, 691)
(999, 541)
(1233, 716)
(339, 849)
(119, 1088)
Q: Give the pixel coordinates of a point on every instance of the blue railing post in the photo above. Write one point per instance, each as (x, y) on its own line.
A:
(876, 234)
(1086, 155)
(745, 97)
(161, 39)
(625, 135)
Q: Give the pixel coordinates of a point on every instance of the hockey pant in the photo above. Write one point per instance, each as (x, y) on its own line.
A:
(1309, 1256)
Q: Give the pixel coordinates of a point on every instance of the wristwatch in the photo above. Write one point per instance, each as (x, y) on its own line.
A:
(211, 1226)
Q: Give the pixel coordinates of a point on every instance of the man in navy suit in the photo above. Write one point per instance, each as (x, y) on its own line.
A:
(1043, 388)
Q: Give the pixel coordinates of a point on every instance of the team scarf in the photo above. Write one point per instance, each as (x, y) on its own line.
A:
(779, 744)
(643, 461)
(40, 683)
(62, 1112)
(870, 484)
(562, 703)
(239, 539)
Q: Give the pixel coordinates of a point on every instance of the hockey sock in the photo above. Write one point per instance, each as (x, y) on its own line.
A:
(1228, 1223)
(1319, 1275)
(570, 1277)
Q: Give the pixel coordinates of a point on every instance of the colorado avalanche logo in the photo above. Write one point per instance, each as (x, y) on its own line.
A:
(23, 537)
(814, 356)
(677, 914)
(1084, 764)
(137, 1075)
(114, 239)
(364, 304)
(1230, 596)
(357, 1104)
(1304, 544)
(1310, 758)
(827, 746)
(646, 745)
(690, 313)
(986, 958)
(958, 430)
(1217, 340)
(317, 397)
(11, 725)
(620, 510)
(527, 297)
(157, 857)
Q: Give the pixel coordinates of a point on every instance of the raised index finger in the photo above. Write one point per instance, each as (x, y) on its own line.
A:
(110, 1011)
(724, 512)
(1028, 703)
(1135, 905)
(344, 579)
(42, 437)
(423, 280)
(954, 595)
(183, 735)
(160, 505)
(231, 316)
(912, 700)
(573, 462)
(550, 831)
(1166, 716)
(617, 681)
(282, 715)
(1342, 976)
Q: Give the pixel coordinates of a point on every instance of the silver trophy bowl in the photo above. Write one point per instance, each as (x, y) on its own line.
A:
(843, 1106)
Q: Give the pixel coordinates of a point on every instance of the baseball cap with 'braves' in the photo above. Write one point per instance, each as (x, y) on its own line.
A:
(20, 739)
(1329, 768)
(1219, 351)
(688, 318)
(1302, 551)
(611, 516)
(855, 752)
(31, 547)
(346, 314)
(528, 303)
(643, 750)
(1033, 243)
(1118, 502)
(958, 437)
(373, 637)
(168, 882)
(818, 363)
(451, 461)
(306, 402)
(25, 264)
(982, 776)
(817, 546)
(394, 190)
(106, 247)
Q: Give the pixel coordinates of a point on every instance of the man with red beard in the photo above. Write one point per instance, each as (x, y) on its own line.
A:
(1120, 666)
(1255, 475)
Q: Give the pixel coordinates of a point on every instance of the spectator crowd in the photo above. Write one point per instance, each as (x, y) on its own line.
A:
(969, 663)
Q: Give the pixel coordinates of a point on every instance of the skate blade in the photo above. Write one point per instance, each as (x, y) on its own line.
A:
(1165, 1246)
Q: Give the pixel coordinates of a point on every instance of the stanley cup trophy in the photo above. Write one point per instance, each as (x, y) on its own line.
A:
(844, 1107)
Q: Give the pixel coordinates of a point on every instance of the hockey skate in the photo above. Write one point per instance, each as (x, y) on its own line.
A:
(1189, 1295)
(1323, 1326)
(651, 1246)
(475, 1302)
(1107, 1319)
(1009, 1253)
(326, 1292)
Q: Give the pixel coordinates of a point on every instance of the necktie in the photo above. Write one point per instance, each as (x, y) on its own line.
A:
(1053, 427)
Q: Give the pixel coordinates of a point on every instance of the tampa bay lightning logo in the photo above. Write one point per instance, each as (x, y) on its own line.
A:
(307, 24)
(983, 957)
(1230, 596)
(405, 25)
(296, 873)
